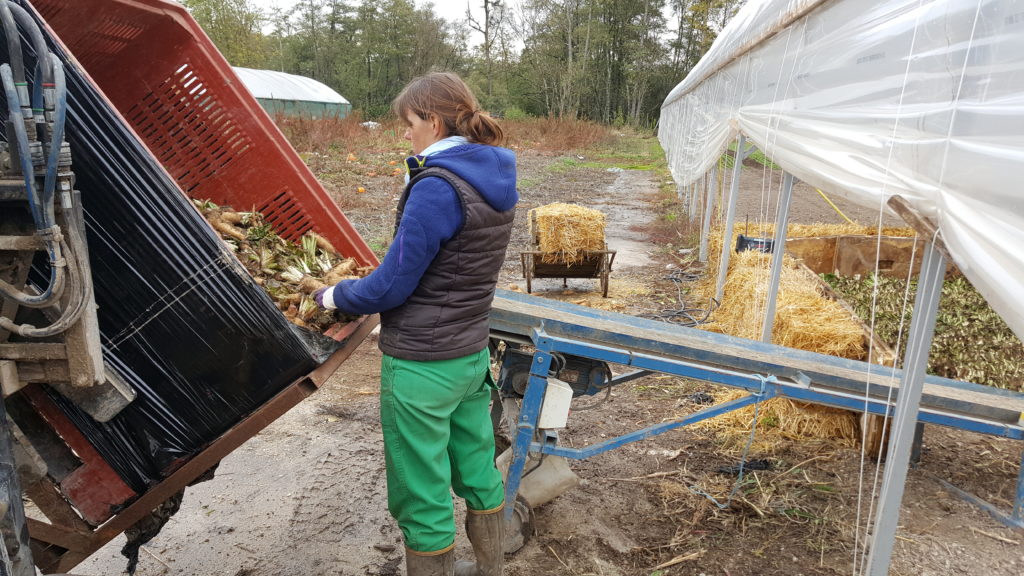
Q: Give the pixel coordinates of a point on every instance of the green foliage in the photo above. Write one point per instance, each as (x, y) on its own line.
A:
(609, 61)
(515, 113)
(971, 341)
(234, 27)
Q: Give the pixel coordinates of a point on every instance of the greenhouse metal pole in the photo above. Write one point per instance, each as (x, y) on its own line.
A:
(778, 249)
(694, 191)
(730, 217)
(908, 404)
(709, 208)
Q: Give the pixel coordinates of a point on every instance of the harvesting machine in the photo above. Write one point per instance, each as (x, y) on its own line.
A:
(135, 350)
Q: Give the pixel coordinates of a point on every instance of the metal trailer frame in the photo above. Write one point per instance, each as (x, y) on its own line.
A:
(764, 370)
(65, 540)
(594, 264)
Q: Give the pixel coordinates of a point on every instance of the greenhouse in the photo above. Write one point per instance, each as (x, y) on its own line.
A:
(910, 107)
(292, 95)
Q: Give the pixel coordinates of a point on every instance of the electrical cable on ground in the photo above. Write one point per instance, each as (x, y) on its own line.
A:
(684, 315)
(743, 458)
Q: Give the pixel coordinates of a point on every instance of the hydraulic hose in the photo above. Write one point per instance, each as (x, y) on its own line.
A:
(44, 68)
(56, 138)
(49, 75)
(81, 291)
(81, 294)
(45, 227)
(24, 153)
(17, 59)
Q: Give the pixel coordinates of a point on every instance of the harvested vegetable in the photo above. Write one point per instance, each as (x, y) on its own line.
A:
(288, 272)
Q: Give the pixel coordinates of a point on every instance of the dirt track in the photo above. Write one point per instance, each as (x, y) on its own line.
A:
(307, 495)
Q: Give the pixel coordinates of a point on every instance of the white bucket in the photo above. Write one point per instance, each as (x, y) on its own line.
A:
(543, 480)
(554, 412)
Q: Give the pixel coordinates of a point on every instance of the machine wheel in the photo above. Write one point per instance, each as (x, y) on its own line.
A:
(520, 529)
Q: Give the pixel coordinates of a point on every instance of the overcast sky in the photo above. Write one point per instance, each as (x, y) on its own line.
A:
(450, 10)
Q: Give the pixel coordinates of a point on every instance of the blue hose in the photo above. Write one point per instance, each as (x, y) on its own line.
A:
(43, 69)
(38, 214)
(56, 138)
(24, 154)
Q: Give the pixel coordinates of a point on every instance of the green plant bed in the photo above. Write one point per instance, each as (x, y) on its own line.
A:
(971, 342)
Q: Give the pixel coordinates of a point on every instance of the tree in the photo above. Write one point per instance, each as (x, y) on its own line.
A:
(234, 27)
(605, 60)
(494, 16)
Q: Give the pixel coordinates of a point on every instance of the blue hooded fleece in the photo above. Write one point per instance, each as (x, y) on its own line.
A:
(432, 216)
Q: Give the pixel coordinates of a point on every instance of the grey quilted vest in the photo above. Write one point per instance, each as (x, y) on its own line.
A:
(447, 315)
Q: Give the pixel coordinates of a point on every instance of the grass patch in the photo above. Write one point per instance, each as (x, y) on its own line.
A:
(527, 182)
(555, 134)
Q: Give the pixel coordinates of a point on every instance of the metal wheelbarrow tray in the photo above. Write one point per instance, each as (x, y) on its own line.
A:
(593, 264)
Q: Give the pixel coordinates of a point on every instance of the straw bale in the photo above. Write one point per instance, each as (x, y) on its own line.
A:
(804, 318)
(795, 231)
(782, 418)
(565, 232)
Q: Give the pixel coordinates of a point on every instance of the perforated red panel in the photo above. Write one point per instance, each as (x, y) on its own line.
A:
(289, 221)
(188, 129)
(166, 78)
(111, 38)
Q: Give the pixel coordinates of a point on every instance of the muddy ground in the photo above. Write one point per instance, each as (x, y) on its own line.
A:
(307, 496)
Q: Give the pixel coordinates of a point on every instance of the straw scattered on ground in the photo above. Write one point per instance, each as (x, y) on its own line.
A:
(623, 292)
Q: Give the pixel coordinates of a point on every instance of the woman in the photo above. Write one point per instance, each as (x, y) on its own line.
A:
(433, 292)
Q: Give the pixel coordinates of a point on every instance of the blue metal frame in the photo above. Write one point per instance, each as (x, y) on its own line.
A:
(771, 375)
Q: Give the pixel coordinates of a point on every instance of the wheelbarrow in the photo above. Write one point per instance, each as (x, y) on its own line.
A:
(594, 264)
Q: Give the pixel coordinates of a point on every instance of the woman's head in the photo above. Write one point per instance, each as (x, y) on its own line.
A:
(438, 105)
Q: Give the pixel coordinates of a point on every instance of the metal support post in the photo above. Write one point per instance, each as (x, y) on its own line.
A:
(532, 401)
(709, 208)
(908, 404)
(730, 217)
(694, 194)
(1017, 517)
(746, 152)
(778, 249)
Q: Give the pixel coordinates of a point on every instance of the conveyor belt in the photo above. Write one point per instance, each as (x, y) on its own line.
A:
(808, 376)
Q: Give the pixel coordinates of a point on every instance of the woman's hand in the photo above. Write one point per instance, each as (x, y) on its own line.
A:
(324, 298)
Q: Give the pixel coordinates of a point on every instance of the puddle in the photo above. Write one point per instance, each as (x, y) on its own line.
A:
(626, 210)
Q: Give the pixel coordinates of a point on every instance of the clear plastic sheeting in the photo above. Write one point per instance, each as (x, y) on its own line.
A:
(918, 98)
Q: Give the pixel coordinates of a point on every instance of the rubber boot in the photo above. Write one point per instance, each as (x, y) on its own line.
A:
(431, 564)
(487, 534)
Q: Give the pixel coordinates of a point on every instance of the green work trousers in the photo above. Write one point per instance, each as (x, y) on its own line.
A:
(437, 434)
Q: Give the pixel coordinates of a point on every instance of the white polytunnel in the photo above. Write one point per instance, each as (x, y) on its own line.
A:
(289, 94)
(918, 98)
